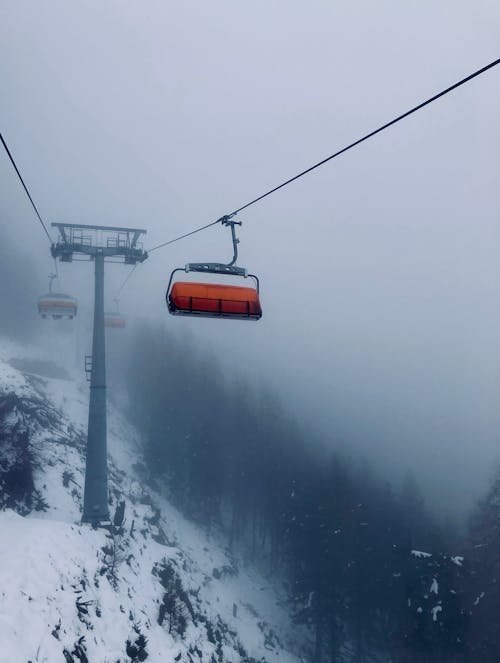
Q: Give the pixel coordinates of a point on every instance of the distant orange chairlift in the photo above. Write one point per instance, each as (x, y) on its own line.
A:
(215, 300)
(56, 304)
(114, 320)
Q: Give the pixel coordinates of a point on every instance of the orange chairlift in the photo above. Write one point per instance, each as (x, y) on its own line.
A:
(215, 300)
(114, 320)
(56, 304)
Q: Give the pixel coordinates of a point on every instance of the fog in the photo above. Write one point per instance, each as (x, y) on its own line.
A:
(379, 271)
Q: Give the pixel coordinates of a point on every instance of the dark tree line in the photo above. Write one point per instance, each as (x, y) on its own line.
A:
(342, 539)
(483, 586)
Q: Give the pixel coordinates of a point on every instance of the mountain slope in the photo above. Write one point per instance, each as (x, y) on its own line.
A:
(157, 588)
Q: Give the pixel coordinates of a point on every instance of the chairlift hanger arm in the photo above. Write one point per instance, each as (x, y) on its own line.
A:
(51, 278)
(228, 220)
(218, 267)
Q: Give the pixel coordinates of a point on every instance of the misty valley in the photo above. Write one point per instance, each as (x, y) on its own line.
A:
(249, 331)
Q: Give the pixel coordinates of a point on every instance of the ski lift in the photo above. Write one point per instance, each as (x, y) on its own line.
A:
(57, 305)
(215, 300)
(114, 320)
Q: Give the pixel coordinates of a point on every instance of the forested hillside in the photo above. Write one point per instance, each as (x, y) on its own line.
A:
(367, 567)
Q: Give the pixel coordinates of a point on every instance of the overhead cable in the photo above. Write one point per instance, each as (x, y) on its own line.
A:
(125, 281)
(369, 135)
(338, 152)
(25, 187)
(176, 239)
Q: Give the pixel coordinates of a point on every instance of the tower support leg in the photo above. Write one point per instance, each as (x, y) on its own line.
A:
(95, 499)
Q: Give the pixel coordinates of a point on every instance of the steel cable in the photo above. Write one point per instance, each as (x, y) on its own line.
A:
(25, 187)
(416, 108)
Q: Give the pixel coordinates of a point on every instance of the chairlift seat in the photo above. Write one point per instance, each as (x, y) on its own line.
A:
(57, 305)
(114, 321)
(214, 301)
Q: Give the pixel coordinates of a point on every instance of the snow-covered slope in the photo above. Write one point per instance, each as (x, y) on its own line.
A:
(158, 589)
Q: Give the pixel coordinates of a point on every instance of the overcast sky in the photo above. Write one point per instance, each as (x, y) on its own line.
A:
(380, 272)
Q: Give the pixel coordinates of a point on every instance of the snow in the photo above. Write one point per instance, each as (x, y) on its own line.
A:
(435, 611)
(420, 554)
(458, 560)
(478, 599)
(57, 581)
(14, 380)
(434, 587)
(38, 577)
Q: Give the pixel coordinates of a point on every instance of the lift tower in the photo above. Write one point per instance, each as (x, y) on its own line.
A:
(100, 244)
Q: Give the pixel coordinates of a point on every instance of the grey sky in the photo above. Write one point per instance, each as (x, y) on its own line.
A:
(380, 272)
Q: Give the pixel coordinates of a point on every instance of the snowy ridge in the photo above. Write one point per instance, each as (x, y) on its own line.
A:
(158, 589)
